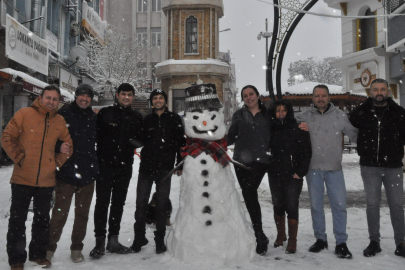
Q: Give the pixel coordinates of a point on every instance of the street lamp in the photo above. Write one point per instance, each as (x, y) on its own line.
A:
(266, 35)
(227, 29)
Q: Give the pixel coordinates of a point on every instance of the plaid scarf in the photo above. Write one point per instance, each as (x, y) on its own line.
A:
(216, 149)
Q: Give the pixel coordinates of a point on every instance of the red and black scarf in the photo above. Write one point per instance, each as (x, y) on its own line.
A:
(216, 149)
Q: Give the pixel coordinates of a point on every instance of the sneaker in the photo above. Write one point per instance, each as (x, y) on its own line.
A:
(342, 251)
(372, 249)
(17, 266)
(76, 256)
(318, 246)
(43, 262)
(138, 243)
(400, 251)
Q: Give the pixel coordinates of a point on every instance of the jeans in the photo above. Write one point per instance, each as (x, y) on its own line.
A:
(336, 190)
(285, 193)
(393, 181)
(249, 182)
(63, 198)
(16, 240)
(143, 190)
(112, 184)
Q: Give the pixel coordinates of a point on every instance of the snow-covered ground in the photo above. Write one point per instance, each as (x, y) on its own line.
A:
(274, 259)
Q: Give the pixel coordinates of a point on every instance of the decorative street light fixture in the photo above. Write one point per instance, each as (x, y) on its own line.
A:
(266, 35)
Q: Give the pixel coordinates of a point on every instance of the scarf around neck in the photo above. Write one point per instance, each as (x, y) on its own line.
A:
(216, 149)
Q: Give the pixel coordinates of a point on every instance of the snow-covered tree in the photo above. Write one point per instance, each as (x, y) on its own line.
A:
(313, 70)
(118, 60)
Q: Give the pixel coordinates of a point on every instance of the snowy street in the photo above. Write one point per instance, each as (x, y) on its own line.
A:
(274, 259)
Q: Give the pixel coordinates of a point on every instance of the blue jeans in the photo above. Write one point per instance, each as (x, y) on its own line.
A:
(393, 181)
(336, 190)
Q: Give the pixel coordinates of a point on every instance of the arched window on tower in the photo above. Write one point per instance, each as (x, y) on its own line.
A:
(366, 32)
(191, 35)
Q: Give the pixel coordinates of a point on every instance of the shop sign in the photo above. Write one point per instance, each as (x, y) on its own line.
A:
(29, 87)
(25, 47)
(92, 22)
(68, 81)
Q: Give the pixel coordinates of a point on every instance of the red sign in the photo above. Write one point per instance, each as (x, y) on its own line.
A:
(38, 90)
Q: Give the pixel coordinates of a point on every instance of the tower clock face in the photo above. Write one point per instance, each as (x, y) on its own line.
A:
(365, 78)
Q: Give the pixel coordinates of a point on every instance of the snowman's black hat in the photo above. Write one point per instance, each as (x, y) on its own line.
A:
(202, 97)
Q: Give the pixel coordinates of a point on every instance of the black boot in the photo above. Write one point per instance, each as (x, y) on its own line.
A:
(262, 243)
(139, 242)
(400, 250)
(99, 249)
(372, 249)
(113, 246)
(318, 246)
(160, 242)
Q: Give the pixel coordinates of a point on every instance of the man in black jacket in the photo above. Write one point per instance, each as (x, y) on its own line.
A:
(118, 134)
(78, 174)
(163, 138)
(380, 145)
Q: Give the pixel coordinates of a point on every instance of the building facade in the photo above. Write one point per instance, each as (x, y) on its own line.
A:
(371, 47)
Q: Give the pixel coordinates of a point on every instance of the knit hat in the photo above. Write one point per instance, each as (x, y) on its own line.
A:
(84, 89)
(202, 97)
(126, 87)
(156, 92)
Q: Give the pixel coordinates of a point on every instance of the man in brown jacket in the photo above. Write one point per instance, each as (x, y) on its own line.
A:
(29, 140)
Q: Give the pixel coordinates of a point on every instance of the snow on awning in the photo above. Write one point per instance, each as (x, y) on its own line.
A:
(33, 85)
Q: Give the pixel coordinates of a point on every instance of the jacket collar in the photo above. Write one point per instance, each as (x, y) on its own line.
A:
(369, 103)
(37, 105)
(329, 109)
(83, 112)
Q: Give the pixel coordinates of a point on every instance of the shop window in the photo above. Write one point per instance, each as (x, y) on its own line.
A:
(179, 100)
(156, 5)
(191, 35)
(156, 35)
(142, 5)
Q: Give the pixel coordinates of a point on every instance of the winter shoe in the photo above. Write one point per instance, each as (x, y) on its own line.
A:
(42, 262)
(372, 249)
(281, 237)
(318, 246)
(262, 242)
(17, 266)
(160, 242)
(49, 255)
(292, 236)
(400, 251)
(113, 246)
(342, 251)
(138, 243)
(76, 256)
(99, 249)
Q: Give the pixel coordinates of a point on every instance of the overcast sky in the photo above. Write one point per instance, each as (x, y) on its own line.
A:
(314, 36)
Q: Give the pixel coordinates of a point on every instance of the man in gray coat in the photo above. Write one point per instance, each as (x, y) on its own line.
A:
(326, 125)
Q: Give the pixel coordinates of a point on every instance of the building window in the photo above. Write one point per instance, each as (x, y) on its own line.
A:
(53, 17)
(179, 99)
(156, 5)
(142, 37)
(154, 78)
(142, 70)
(366, 32)
(156, 35)
(142, 5)
(191, 35)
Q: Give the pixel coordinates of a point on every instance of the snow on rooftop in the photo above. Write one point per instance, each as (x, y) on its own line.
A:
(306, 88)
(192, 62)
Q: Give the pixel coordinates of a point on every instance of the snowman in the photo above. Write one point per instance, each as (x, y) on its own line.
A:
(210, 225)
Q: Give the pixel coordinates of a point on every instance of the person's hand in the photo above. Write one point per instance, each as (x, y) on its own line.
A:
(303, 126)
(178, 172)
(296, 176)
(65, 148)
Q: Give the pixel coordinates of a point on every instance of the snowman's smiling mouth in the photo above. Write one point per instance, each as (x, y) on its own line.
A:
(204, 131)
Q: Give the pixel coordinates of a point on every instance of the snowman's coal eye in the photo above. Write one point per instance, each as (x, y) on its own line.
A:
(195, 117)
(213, 117)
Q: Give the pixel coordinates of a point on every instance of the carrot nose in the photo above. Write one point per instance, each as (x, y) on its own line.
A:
(204, 123)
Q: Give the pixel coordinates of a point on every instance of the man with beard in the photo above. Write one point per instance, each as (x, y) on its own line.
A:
(326, 125)
(164, 136)
(380, 145)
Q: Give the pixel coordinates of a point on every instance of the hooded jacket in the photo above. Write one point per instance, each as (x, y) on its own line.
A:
(251, 136)
(163, 138)
(381, 141)
(82, 167)
(29, 140)
(290, 146)
(326, 132)
(119, 132)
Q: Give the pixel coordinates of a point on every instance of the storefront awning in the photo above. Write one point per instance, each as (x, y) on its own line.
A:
(31, 84)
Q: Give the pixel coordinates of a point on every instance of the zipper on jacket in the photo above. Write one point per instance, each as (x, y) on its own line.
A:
(42, 147)
(292, 164)
(379, 128)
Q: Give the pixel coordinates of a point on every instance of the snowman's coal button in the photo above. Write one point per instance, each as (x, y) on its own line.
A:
(208, 223)
(206, 195)
(204, 173)
(207, 210)
(203, 161)
(206, 184)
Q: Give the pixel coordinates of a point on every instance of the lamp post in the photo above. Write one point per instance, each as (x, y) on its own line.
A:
(266, 35)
